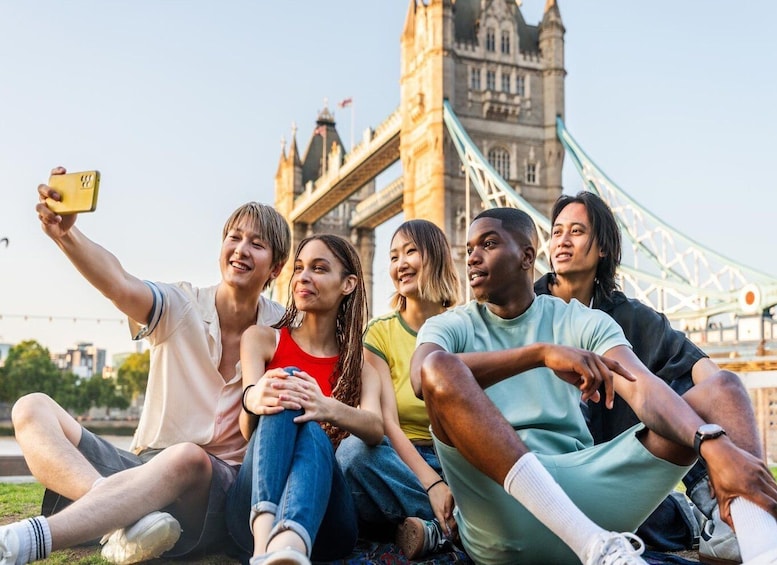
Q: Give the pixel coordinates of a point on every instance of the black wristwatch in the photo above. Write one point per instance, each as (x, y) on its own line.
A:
(705, 432)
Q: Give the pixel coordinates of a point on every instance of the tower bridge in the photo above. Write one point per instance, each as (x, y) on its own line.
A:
(481, 124)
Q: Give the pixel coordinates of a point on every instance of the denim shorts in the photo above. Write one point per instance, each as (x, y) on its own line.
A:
(108, 459)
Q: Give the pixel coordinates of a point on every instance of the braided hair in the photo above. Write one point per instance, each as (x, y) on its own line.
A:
(349, 326)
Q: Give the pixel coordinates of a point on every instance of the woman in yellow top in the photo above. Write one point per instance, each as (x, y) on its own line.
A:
(400, 482)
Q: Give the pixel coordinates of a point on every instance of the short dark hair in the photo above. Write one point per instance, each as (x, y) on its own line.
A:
(604, 227)
(517, 222)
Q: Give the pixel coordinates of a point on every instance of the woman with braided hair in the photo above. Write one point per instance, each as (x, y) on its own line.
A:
(306, 387)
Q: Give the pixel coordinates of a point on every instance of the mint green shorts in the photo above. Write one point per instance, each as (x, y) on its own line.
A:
(617, 484)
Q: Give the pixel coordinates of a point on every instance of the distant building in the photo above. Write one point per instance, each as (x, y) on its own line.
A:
(84, 360)
(4, 349)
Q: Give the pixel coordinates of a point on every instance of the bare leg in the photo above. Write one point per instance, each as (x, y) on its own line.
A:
(459, 411)
(180, 476)
(48, 437)
(261, 527)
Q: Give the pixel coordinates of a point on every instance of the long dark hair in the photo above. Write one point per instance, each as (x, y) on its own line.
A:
(349, 326)
(605, 229)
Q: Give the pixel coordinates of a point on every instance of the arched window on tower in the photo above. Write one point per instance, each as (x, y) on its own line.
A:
(500, 160)
(490, 80)
(531, 176)
(520, 85)
(505, 42)
(490, 39)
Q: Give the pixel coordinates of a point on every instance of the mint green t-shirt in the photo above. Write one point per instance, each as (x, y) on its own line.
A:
(544, 410)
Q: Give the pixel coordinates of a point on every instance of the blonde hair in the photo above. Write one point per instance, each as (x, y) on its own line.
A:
(349, 327)
(438, 281)
(268, 224)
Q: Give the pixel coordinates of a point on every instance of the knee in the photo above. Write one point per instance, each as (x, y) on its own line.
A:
(29, 408)
(349, 452)
(186, 462)
(724, 385)
(439, 374)
(354, 456)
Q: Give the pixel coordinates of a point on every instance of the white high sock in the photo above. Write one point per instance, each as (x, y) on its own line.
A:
(34, 539)
(531, 485)
(756, 529)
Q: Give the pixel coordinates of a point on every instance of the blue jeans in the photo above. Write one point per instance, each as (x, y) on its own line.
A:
(290, 470)
(384, 488)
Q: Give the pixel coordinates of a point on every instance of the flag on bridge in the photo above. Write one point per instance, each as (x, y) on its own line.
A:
(345, 102)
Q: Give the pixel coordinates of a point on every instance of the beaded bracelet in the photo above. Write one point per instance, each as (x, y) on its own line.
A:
(434, 484)
(243, 401)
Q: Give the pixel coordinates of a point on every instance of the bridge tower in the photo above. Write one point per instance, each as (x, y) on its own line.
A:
(294, 177)
(505, 81)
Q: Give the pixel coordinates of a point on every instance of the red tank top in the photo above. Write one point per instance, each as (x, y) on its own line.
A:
(288, 353)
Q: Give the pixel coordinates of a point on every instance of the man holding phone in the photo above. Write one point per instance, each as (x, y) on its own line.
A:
(188, 447)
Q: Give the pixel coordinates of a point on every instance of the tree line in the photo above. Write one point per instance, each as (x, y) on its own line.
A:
(29, 368)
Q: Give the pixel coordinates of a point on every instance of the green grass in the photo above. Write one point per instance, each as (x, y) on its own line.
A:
(18, 501)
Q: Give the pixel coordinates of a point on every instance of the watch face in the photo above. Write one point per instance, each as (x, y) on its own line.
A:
(710, 429)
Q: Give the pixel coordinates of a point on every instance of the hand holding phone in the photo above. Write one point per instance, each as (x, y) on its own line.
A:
(78, 192)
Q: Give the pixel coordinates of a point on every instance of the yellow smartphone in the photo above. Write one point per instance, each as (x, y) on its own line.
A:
(78, 191)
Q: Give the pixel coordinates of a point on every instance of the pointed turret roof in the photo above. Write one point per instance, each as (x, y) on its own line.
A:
(409, 29)
(551, 13)
(324, 132)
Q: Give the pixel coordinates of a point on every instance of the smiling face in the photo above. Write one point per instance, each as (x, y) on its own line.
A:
(573, 245)
(319, 283)
(246, 260)
(405, 265)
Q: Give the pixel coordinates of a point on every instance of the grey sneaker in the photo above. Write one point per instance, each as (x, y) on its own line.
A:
(612, 548)
(9, 546)
(417, 537)
(718, 543)
(147, 538)
(701, 497)
(287, 556)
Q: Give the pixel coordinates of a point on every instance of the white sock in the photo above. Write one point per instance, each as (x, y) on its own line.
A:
(531, 485)
(756, 529)
(34, 539)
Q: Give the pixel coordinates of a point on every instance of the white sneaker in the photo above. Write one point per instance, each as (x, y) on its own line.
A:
(766, 558)
(287, 556)
(147, 538)
(9, 546)
(612, 548)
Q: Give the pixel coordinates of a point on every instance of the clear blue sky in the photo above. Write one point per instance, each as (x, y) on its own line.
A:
(182, 106)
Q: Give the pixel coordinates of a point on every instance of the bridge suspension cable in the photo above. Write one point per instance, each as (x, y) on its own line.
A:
(669, 271)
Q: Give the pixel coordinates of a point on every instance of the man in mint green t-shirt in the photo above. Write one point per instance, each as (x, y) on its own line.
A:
(502, 378)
